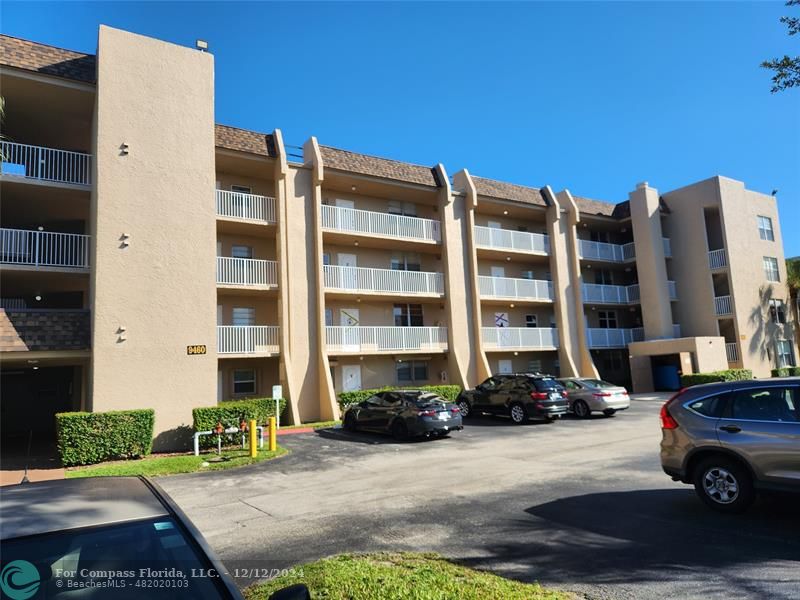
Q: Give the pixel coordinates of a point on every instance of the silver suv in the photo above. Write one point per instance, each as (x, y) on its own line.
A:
(732, 440)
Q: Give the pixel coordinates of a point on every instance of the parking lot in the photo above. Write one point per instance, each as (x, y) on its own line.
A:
(580, 505)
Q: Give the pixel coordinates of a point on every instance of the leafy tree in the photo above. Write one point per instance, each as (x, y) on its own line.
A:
(787, 69)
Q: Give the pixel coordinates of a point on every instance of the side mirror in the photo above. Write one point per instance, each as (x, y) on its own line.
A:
(298, 591)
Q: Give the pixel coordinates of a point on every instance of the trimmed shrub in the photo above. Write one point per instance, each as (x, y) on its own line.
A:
(794, 371)
(230, 413)
(86, 438)
(448, 392)
(786, 372)
(715, 376)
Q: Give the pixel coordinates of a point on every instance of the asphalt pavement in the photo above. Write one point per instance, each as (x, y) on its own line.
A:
(577, 505)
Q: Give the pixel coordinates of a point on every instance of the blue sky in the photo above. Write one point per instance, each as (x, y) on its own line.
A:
(590, 96)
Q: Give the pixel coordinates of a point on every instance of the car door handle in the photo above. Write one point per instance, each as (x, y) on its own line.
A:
(731, 428)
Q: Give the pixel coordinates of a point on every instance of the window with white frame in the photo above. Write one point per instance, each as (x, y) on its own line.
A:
(244, 315)
(777, 311)
(607, 319)
(771, 268)
(531, 321)
(241, 252)
(408, 209)
(407, 315)
(405, 261)
(785, 354)
(244, 381)
(412, 371)
(765, 229)
(242, 189)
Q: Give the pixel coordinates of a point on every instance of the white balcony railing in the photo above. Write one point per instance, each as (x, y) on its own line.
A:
(46, 164)
(361, 279)
(338, 218)
(246, 271)
(732, 352)
(505, 239)
(723, 305)
(536, 338)
(44, 248)
(618, 294)
(613, 338)
(365, 339)
(603, 251)
(245, 206)
(717, 259)
(247, 339)
(519, 289)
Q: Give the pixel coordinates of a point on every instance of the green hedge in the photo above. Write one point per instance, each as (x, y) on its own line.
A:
(448, 392)
(87, 438)
(231, 412)
(786, 372)
(715, 376)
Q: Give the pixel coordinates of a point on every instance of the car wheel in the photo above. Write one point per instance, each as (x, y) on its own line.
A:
(349, 422)
(581, 409)
(609, 412)
(465, 409)
(724, 485)
(399, 430)
(517, 413)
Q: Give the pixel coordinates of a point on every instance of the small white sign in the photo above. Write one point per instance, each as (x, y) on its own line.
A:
(277, 391)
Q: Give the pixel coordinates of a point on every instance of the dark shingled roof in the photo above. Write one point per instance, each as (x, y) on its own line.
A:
(334, 158)
(588, 206)
(508, 191)
(49, 60)
(243, 140)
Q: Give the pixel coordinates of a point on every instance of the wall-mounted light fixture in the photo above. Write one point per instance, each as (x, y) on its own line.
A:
(123, 149)
(201, 45)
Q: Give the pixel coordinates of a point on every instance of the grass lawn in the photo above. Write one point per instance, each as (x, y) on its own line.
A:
(404, 575)
(315, 425)
(171, 464)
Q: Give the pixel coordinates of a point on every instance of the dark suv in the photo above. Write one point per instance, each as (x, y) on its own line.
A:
(521, 396)
(734, 439)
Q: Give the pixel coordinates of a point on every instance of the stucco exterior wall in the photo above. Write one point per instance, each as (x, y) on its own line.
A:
(154, 225)
(380, 371)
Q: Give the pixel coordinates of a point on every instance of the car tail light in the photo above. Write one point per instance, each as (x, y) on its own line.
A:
(564, 393)
(455, 410)
(539, 395)
(602, 394)
(427, 413)
(667, 422)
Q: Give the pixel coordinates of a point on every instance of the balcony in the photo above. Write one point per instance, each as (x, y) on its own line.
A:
(619, 294)
(30, 330)
(602, 251)
(519, 338)
(507, 288)
(383, 281)
(723, 306)
(247, 339)
(377, 340)
(505, 239)
(717, 259)
(366, 222)
(732, 352)
(45, 164)
(249, 207)
(613, 338)
(247, 272)
(44, 249)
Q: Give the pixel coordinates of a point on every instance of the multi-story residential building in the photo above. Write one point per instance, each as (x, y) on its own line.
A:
(152, 258)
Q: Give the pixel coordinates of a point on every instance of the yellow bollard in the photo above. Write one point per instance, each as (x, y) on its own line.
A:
(273, 436)
(253, 439)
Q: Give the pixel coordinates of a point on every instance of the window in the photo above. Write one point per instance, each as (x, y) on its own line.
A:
(405, 261)
(326, 258)
(242, 189)
(535, 366)
(522, 228)
(599, 236)
(408, 315)
(612, 361)
(608, 319)
(765, 229)
(785, 354)
(771, 268)
(765, 404)
(709, 407)
(777, 311)
(244, 381)
(396, 207)
(328, 317)
(571, 385)
(413, 371)
(244, 316)
(530, 321)
(603, 277)
(241, 252)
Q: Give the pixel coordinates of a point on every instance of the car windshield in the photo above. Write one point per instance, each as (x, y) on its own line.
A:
(150, 558)
(597, 383)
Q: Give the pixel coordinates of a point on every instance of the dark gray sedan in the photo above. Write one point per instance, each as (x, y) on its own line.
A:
(404, 414)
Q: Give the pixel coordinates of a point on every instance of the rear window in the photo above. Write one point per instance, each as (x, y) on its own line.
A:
(426, 398)
(547, 384)
(708, 407)
(598, 383)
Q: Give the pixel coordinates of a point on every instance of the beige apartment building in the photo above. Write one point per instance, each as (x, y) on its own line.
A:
(153, 258)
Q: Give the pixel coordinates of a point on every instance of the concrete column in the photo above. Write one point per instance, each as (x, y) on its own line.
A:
(651, 265)
(466, 362)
